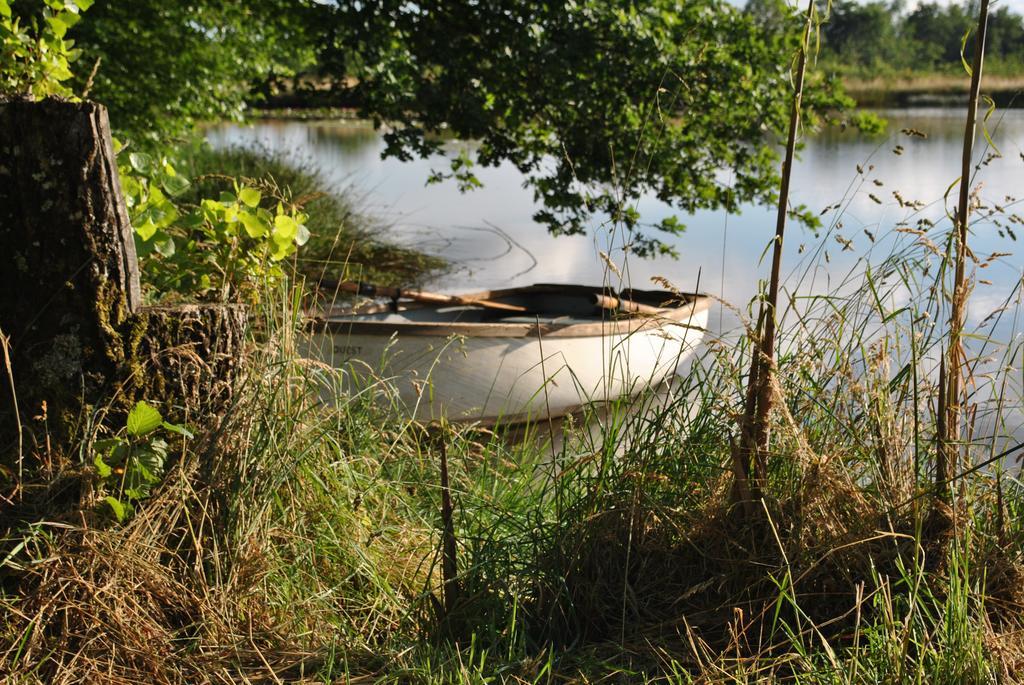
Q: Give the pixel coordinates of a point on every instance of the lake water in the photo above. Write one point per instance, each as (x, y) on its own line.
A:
(489, 236)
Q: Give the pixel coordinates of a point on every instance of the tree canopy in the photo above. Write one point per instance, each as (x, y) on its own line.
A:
(597, 102)
(161, 66)
(879, 35)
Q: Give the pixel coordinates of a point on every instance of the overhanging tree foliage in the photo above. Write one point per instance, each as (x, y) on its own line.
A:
(164, 65)
(597, 102)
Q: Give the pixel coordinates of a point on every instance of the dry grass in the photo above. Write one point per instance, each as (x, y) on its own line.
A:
(928, 83)
(167, 598)
(300, 542)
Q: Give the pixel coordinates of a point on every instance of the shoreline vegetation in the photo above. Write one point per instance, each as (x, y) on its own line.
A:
(302, 543)
(345, 240)
(869, 90)
(930, 90)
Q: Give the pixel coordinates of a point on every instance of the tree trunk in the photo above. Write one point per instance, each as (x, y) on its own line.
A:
(70, 283)
(189, 358)
(76, 336)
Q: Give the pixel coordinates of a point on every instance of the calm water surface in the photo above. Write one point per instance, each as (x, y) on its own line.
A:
(490, 237)
(489, 234)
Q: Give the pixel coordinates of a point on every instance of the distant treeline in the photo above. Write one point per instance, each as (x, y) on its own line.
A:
(877, 36)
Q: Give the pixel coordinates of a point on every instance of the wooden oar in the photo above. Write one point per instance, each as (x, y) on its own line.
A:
(369, 290)
(615, 304)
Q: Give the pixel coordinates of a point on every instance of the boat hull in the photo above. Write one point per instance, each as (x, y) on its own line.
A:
(506, 378)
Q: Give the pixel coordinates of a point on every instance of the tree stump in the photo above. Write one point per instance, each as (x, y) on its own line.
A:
(190, 354)
(77, 335)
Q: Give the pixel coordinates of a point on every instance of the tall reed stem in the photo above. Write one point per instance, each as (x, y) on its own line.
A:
(754, 437)
(950, 434)
(449, 562)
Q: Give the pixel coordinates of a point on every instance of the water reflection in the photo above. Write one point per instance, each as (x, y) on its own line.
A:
(725, 250)
(863, 187)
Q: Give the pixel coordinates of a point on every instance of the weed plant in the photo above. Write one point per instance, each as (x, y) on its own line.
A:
(344, 240)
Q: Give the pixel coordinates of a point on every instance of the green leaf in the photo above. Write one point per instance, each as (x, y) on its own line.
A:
(166, 248)
(250, 196)
(671, 224)
(192, 220)
(58, 27)
(281, 250)
(285, 228)
(253, 225)
(963, 52)
(152, 460)
(140, 491)
(160, 210)
(69, 18)
(105, 445)
(175, 185)
(84, 4)
(103, 470)
(146, 230)
(212, 208)
(113, 450)
(143, 419)
(179, 429)
(116, 506)
(5, 9)
(141, 162)
(132, 190)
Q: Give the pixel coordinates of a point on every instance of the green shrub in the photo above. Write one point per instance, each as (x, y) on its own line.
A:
(344, 240)
(36, 58)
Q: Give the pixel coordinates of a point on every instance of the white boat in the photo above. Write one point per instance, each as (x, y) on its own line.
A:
(470, 360)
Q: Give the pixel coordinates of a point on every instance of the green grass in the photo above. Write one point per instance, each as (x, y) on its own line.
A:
(304, 540)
